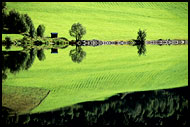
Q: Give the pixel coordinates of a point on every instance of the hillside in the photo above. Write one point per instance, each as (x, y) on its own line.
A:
(105, 71)
(110, 20)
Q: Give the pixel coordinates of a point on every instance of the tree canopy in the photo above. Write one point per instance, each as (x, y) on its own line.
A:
(77, 31)
(40, 30)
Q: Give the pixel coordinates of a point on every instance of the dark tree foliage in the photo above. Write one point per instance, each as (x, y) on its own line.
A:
(8, 43)
(77, 31)
(149, 108)
(3, 67)
(32, 31)
(140, 42)
(22, 25)
(28, 21)
(77, 54)
(16, 22)
(30, 60)
(14, 61)
(40, 30)
(4, 18)
(3, 5)
(12, 21)
(41, 55)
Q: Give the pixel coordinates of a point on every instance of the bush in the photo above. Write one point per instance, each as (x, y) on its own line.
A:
(40, 30)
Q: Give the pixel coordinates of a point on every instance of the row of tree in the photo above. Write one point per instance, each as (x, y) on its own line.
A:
(78, 31)
(14, 22)
(150, 108)
(14, 61)
(22, 23)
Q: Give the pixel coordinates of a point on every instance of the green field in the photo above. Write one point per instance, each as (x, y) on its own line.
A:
(12, 36)
(13, 48)
(110, 20)
(105, 71)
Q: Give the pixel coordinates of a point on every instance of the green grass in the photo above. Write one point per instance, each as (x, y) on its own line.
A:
(22, 99)
(12, 36)
(110, 20)
(105, 71)
(13, 48)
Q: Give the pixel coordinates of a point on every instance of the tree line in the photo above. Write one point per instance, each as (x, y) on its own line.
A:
(14, 22)
(14, 61)
(150, 108)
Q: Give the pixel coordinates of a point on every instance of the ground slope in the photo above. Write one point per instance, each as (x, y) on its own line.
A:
(105, 71)
(110, 20)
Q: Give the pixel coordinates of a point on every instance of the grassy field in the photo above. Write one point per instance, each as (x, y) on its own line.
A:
(12, 36)
(13, 48)
(105, 71)
(110, 20)
(22, 99)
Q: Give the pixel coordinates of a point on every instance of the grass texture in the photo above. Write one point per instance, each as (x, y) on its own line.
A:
(110, 20)
(105, 71)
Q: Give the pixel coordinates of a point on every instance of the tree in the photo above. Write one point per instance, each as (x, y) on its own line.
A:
(28, 21)
(22, 25)
(140, 42)
(3, 5)
(30, 24)
(12, 21)
(40, 30)
(16, 22)
(77, 31)
(4, 18)
(32, 31)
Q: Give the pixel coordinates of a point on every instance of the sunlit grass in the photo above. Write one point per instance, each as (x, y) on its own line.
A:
(110, 20)
(105, 71)
(13, 48)
(12, 36)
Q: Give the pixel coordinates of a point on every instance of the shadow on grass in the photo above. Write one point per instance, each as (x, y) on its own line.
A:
(160, 107)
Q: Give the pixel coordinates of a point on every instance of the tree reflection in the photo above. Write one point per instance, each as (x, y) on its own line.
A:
(31, 58)
(8, 43)
(14, 61)
(77, 54)
(40, 54)
(8, 46)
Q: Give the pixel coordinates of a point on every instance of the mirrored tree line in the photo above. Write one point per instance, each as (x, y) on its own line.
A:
(14, 61)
